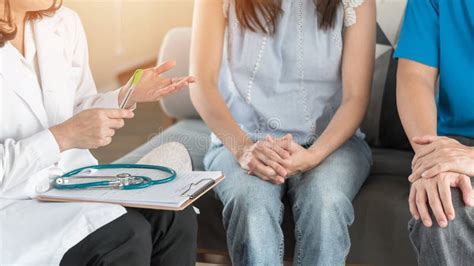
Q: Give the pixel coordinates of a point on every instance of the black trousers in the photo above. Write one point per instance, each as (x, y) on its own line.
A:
(140, 237)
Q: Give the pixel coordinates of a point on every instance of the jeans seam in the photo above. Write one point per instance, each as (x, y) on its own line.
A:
(298, 236)
(282, 243)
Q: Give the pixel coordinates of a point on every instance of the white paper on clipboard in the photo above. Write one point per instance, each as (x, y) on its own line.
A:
(170, 195)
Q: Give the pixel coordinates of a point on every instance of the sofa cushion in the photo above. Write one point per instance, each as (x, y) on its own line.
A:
(193, 134)
(382, 124)
(388, 162)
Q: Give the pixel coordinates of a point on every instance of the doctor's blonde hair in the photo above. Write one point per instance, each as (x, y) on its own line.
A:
(8, 29)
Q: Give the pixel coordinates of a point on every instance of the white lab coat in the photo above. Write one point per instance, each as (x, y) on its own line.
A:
(32, 232)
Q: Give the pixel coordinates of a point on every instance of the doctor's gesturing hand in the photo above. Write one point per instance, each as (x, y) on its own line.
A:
(94, 128)
(152, 86)
(90, 129)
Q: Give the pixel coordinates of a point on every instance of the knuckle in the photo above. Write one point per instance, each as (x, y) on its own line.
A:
(103, 132)
(419, 201)
(101, 142)
(458, 160)
(102, 118)
(443, 176)
(99, 112)
(434, 204)
(251, 164)
(97, 144)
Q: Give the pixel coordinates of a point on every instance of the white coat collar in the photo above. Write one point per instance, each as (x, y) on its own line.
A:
(52, 66)
(14, 79)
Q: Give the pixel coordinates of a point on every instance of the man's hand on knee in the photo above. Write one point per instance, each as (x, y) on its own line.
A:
(439, 155)
(435, 194)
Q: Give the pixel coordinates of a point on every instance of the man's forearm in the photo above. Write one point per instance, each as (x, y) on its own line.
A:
(416, 103)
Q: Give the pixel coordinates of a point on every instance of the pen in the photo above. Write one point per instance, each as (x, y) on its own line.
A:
(133, 83)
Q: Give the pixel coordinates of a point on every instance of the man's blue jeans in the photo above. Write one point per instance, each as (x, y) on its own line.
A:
(321, 203)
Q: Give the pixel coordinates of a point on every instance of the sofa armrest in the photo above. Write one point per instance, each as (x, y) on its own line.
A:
(175, 46)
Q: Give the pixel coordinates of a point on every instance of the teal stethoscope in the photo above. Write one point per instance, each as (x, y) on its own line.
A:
(125, 181)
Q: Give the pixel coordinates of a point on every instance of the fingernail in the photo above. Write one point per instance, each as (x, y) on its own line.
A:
(427, 223)
(451, 217)
(443, 224)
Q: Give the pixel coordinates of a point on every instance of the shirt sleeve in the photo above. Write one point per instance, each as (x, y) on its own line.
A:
(225, 8)
(350, 15)
(419, 37)
(21, 160)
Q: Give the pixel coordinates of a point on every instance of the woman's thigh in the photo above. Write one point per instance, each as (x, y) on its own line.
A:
(341, 174)
(238, 186)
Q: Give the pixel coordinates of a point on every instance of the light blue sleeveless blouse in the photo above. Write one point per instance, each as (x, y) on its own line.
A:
(289, 82)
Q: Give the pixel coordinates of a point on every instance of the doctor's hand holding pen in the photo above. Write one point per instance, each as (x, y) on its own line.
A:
(94, 128)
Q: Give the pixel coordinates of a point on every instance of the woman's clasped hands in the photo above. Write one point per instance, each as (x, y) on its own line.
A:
(276, 159)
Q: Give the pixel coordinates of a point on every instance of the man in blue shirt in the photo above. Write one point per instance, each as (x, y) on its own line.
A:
(437, 41)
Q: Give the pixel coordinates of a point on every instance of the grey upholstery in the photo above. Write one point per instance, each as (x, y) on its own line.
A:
(176, 47)
(193, 134)
(379, 234)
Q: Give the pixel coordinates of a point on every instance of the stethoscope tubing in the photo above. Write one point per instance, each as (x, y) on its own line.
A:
(148, 181)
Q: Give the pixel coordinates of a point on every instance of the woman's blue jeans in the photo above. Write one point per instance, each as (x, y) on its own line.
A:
(321, 202)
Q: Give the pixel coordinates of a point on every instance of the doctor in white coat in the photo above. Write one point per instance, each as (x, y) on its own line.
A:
(50, 115)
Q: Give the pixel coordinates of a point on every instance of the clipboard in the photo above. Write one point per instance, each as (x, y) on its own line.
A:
(190, 193)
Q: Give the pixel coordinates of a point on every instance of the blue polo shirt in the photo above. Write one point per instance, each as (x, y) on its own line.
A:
(440, 34)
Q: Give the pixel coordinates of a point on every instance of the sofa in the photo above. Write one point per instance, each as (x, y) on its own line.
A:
(379, 234)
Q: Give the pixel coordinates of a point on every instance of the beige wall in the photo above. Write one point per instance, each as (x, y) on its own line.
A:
(124, 33)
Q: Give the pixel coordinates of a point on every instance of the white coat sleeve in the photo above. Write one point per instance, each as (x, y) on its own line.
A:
(86, 93)
(22, 160)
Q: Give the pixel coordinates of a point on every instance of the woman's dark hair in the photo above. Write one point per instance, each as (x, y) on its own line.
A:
(263, 15)
(8, 29)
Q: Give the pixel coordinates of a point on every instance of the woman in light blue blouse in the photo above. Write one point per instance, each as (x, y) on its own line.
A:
(284, 86)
